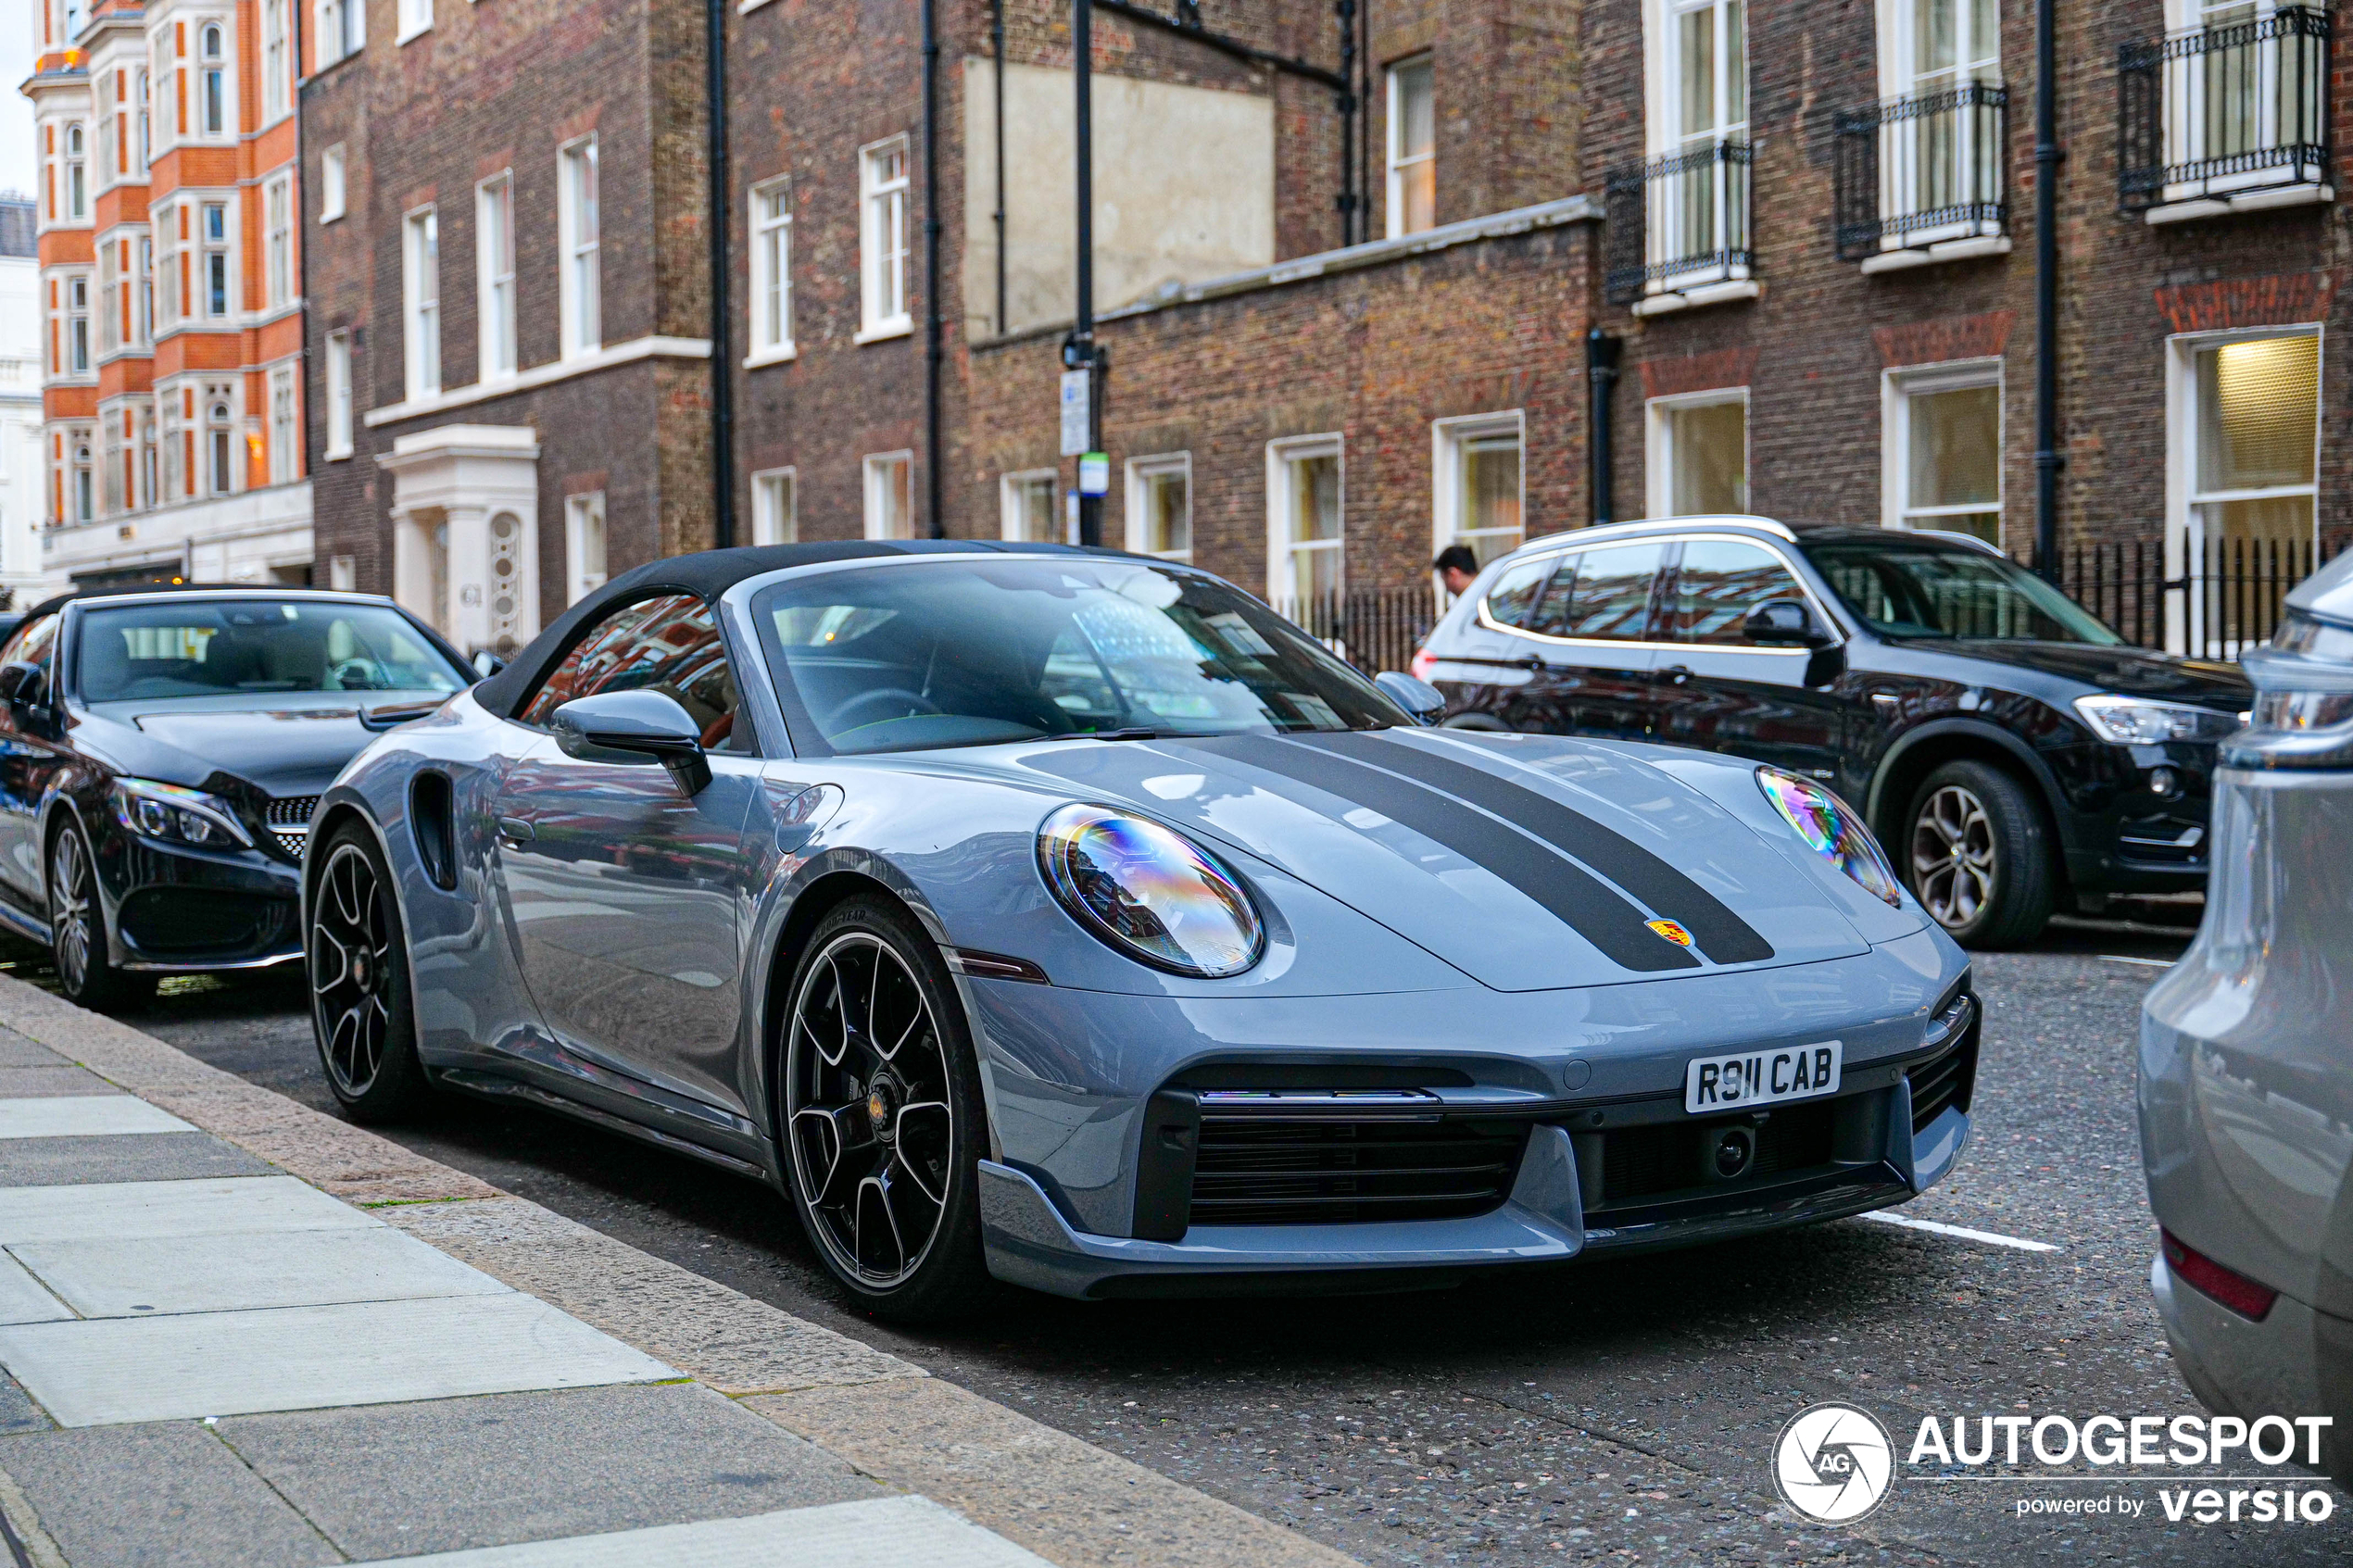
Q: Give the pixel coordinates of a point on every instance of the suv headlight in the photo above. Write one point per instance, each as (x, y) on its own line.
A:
(175, 814)
(2131, 720)
(1832, 830)
(1147, 891)
(2303, 714)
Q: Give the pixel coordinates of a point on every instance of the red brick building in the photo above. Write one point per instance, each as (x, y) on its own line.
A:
(1338, 340)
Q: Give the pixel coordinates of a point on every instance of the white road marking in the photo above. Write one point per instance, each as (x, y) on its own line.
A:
(81, 1116)
(880, 1533)
(1962, 1231)
(2145, 963)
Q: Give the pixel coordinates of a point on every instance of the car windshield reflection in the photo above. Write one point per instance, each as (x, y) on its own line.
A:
(1903, 588)
(975, 653)
(145, 652)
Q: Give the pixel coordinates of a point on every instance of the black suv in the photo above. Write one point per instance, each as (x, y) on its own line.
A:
(2013, 752)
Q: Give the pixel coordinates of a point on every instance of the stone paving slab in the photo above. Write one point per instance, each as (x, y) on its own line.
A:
(22, 1298)
(85, 1116)
(110, 1277)
(56, 1076)
(124, 1210)
(393, 1479)
(17, 1051)
(89, 1374)
(886, 1533)
(167, 1496)
(718, 1336)
(139, 1157)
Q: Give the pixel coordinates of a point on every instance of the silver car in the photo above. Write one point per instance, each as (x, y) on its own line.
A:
(2246, 1053)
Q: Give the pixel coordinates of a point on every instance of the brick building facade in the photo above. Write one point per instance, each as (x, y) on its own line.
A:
(170, 290)
(1811, 229)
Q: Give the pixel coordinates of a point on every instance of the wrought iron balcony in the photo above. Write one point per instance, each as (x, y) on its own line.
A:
(1679, 227)
(1923, 177)
(2227, 116)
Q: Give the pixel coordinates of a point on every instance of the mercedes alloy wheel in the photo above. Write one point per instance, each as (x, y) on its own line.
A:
(86, 971)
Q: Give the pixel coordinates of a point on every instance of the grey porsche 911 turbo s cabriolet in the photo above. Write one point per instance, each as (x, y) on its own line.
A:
(1072, 918)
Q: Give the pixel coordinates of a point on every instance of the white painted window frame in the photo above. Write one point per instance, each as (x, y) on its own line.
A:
(873, 467)
(580, 511)
(1009, 489)
(1447, 437)
(877, 199)
(1658, 445)
(285, 424)
(278, 240)
(333, 177)
(420, 315)
(1897, 388)
(414, 20)
(337, 376)
(579, 334)
(770, 273)
(496, 331)
(1399, 161)
(1141, 471)
(1282, 519)
(767, 527)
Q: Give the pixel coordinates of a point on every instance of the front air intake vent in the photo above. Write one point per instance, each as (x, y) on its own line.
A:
(1341, 1162)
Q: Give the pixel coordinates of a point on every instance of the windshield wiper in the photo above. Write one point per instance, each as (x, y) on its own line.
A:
(1111, 734)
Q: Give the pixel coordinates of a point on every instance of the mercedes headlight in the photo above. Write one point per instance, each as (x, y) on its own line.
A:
(1149, 892)
(2131, 720)
(1831, 829)
(174, 814)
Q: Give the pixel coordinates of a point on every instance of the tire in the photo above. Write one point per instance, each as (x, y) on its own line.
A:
(882, 1142)
(357, 958)
(1979, 856)
(86, 971)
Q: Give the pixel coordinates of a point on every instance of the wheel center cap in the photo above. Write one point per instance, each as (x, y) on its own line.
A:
(359, 970)
(882, 1102)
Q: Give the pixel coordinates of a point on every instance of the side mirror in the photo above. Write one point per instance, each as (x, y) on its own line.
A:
(19, 682)
(1786, 624)
(487, 663)
(633, 726)
(1417, 696)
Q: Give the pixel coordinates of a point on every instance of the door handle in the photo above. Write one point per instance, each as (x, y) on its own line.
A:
(1679, 674)
(515, 832)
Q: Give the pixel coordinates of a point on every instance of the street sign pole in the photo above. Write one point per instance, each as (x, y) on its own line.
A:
(1079, 354)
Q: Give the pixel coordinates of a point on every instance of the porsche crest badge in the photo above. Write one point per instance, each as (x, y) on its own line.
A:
(1672, 930)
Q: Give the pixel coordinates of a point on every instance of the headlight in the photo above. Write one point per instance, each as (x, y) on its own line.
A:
(1832, 830)
(1148, 892)
(2129, 721)
(2303, 714)
(177, 815)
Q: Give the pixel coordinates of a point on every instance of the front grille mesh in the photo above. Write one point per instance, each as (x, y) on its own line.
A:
(289, 820)
(1640, 1163)
(1260, 1171)
(1938, 1084)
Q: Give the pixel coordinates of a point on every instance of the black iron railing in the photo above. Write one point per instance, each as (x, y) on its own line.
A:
(1679, 222)
(1373, 630)
(1916, 171)
(2227, 598)
(2211, 114)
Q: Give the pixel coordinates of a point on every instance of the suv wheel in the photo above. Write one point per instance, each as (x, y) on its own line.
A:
(1979, 858)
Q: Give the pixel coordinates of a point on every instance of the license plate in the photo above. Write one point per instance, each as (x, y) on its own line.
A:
(1747, 1078)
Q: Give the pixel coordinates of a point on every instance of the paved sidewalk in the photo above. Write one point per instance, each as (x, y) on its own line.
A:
(238, 1332)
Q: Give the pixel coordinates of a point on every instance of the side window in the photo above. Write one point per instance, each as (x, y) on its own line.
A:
(31, 644)
(1549, 617)
(669, 645)
(1720, 582)
(1514, 592)
(1612, 594)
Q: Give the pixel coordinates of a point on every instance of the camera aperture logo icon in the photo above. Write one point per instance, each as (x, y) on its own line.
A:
(1833, 1463)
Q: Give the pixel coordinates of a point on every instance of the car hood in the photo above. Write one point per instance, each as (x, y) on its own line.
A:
(1528, 862)
(282, 743)
(2127, 671)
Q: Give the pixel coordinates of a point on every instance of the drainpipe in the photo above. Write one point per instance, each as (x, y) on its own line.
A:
(997, 73)
(1600, 375)
(932, 352)
(1351, 203)
(722, 368)
(1081, 353)
(2048, 458)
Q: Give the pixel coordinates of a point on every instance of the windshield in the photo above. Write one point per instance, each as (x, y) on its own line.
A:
(973, 652)
(183, 648)
(1915, 589)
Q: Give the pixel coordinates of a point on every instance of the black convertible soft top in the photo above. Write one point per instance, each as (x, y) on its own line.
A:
(707, 573)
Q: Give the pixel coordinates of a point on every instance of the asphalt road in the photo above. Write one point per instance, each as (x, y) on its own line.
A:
(1621, 1411)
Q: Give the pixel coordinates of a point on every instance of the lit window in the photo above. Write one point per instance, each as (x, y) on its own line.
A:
(1160, 506)
(215, 259)
(2256, 430)
(286, 427)
(1027, 503)
(338, 395)
(882, 244)
(1478, 484)
(213, 95)
(772, 270)
(420, 294)
(580, 224)
(775, 517)
(495, 281)
(331, 183)
(1413, 147)
(279, 250)
(1944, 436)
(890, 495)
(1308, 548)
(584, 545)
(1699, 454)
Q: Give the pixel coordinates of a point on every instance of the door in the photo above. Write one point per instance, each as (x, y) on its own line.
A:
(28, 759)
(1594, 623)
(628, 895)
(1717, 690)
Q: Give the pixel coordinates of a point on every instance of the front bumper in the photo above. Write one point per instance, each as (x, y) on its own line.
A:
(2296, 1361)
(1492, 1160)
(182, 910)
(2121, 836)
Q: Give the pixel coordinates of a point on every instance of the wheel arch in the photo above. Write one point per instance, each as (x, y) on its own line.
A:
(1921, 751)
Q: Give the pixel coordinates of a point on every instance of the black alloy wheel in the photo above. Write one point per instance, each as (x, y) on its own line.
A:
(360, 1002)
(1979, 856)
(881, 1114)
(86, 971)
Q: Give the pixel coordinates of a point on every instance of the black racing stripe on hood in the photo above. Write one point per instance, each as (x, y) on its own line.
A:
(1721, 935)
(1588, 905)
